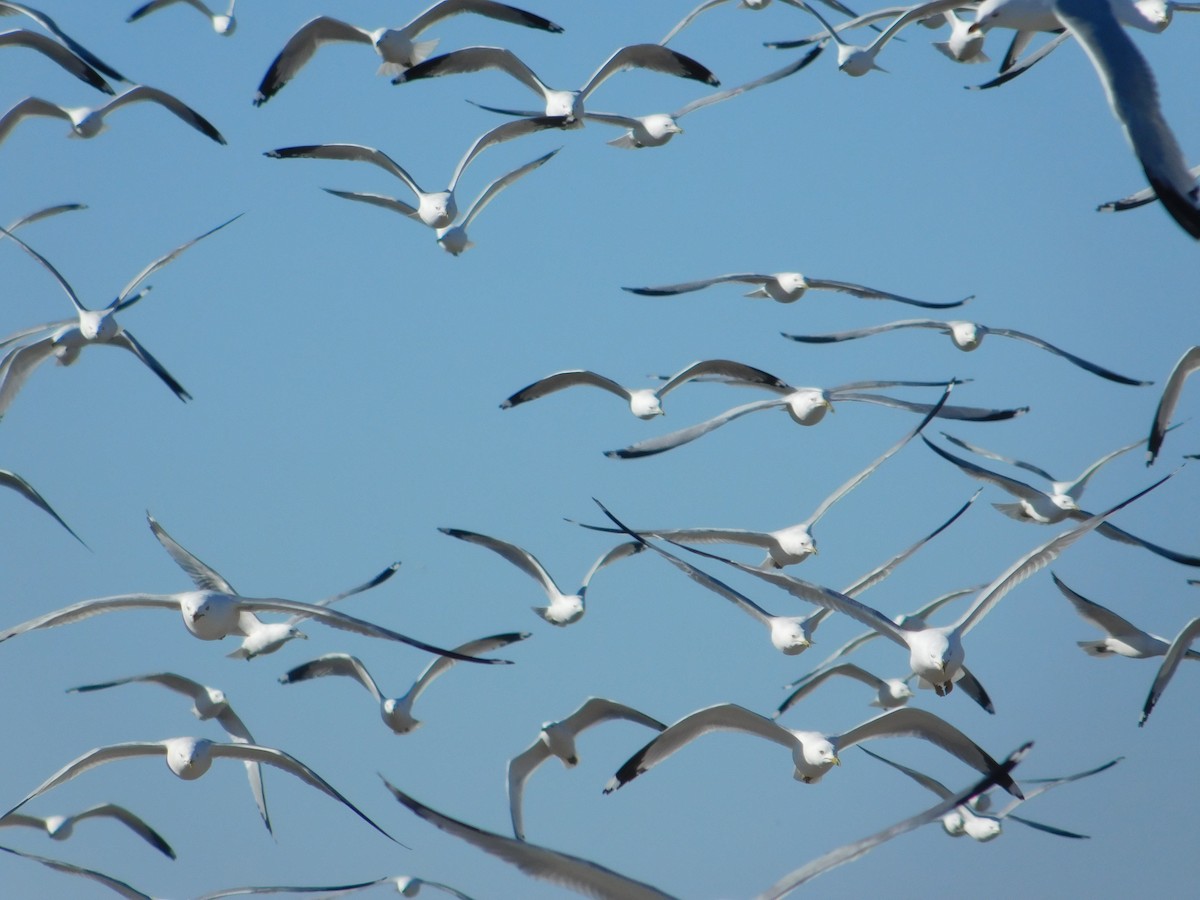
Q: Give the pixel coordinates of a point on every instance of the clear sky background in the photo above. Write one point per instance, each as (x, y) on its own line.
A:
(347, 375)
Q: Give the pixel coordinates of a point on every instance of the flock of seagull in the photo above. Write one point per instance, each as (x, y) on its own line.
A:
(933, 655)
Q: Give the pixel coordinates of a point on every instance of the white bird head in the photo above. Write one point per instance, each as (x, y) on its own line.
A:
(966, 335)
(437, 209)
(789, 636)
(59, 827)
(645, 404)
(398, 717)
(560, 741)
(660, 127)
(454, 240)
(98, 325)
(188, 757)
(808, 406)
(563, 611)
(813, 756)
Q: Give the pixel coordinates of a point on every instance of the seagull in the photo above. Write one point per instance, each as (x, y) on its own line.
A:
(890, 693)
(222, 23)
(9, 9)
(451, 238)
(62, 827)
(858, 61)
(189, 758)
(856, 849)
(558, 739)
(260, 638)
(56, 53)
(795, 543)
(65, 339)
(744, 4)
(395, 712)
(88, 121)
(437, 209)
(1058, 504)
(113, 884)
(657, 129)
(405, 885)
(573, 872)
(867, 19)
(568, 104)
(936, 654)
(965, 336)
(813, 753)
(563, 609)
(787, 287)
(645, 403)
(207, 703)
(1188, 363)
(1128, 82)
(968, 818)
(396, 47)
(808, 406)
(1123, 638)
(1140, 198)
(1180, 648)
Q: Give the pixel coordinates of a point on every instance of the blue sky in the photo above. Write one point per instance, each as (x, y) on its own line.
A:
(347, 375)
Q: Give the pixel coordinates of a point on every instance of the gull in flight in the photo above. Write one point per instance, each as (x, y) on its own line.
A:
(852, 851)
(568, 104)
(658, 128)
(62, 827)
(396, 712)
(10, 9)
(88, 121)
(795, 543)
(1122, 638)
(189, 758)
(1180, 648)
(207, 703)
(58, 54)
(12, 480)
(563, 609)
(1140, 198)
(645, 403)
(113, 884)
(222, 23)
(1058, 504)
(405, 885)
(808, 406)
(936, 653)
(1188, 363)
(813, 753)
(66, 339)
(890, 693)
(787, 287)
(558, 739)
(745, 4)
(858, 61)
(1128, 83)
(261, 638)
(437, 209)
(452, 238)
(573, 872)
(969, 818)
(396, 47)
(965, 336)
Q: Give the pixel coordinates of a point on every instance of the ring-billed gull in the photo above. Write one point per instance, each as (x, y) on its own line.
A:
(787, 287)
(437, 209)
(569, 104)
(88, 121)
(645, 403)
(207, 703)
(62, 827)
(58, 54)
(452, 238)
(1188, 363)
(973, 818)
(128, 891)
(1179, 649)
(65, 339)
(569, 871)
(808, 406)
(222, 23)
(563, 609)
(813, 753)
(745, 4)
(8, 9)
(395, 47)
(189, 758)
(1058, 504)
(965, 336)
(890, 693)
(396, 712)
(558, 739)
(1138, 198)
(1122, 637)
(405, 885)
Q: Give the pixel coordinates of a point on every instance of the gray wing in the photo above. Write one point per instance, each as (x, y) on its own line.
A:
(334, 664)
(471, 648)
(1077, 360)
(126, 340)
(131, 821)
(300, 48)
(687, 435)
(85, 608)
(77, 48)
(97, 757)
(619, 552)
(856, 333)
(964, 413)
(549, 865)
(520, 767)
(930, 784)
(500, 134)
(41, 214)
(1133, 97)
(815, 679)
(1188, 363)
(654, 57)
(685, 287)
(867, 293)
(170, 103)
(770, 77)
(1100, 616)
(722, 369)
(522, 559)
(57, 53)
(1174, 656)
(18, 365)
(1009, 71)
(113, 884)
(204, 576)
(492, 10)
(595, 710)
(347, 153)
(30, 106)
(25, 489)
(377, 200)
(1138, 198)
(561, 380)
(475, 59)
(123, 300)
(1009, 485)
(488, 194)
(687, 20)
(1020, 464)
